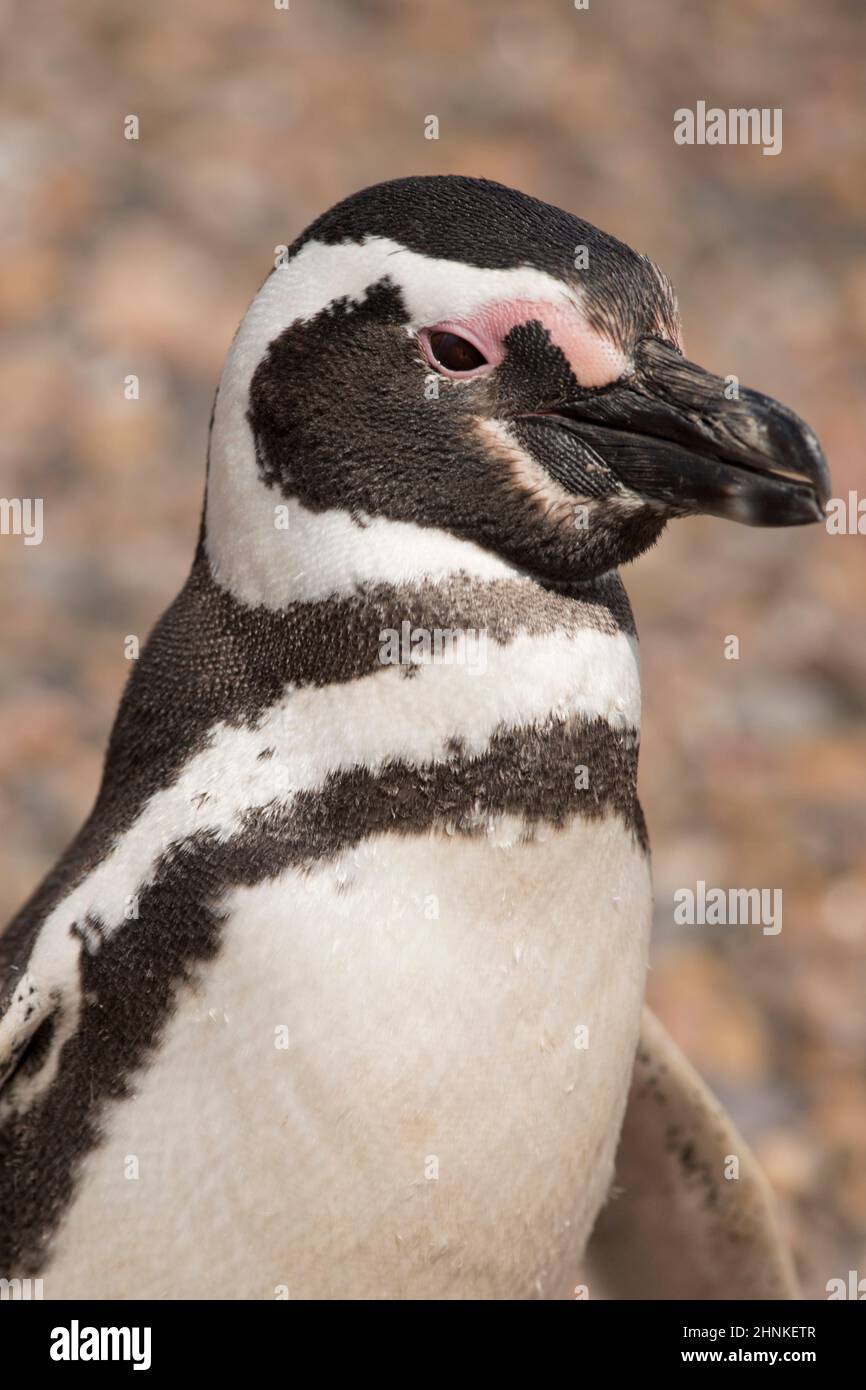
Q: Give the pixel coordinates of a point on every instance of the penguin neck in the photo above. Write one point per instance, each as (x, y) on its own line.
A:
(292, 569)
(270, 563)
(270, 551)
(283, 598)
(340, 577)
(498, 652)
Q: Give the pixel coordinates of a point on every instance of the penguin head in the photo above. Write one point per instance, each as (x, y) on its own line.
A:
(453, 356)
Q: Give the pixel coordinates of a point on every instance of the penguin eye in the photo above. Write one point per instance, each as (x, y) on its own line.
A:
(455, 354)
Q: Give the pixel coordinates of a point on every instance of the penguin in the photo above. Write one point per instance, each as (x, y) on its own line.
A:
(338, 992)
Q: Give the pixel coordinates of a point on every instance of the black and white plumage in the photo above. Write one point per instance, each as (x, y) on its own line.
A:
(430, 876)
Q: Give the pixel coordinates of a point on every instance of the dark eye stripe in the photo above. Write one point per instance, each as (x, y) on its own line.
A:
(454, 353)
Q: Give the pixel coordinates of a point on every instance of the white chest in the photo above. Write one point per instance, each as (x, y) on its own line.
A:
(403, 1077)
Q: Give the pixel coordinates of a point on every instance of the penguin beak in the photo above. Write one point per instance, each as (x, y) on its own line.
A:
(693, 442)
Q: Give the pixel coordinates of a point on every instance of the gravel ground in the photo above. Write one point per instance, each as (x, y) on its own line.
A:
(139, 257)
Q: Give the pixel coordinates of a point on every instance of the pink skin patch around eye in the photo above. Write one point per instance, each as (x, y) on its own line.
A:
(594, 359)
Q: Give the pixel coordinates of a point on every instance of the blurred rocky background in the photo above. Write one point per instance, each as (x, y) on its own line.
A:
(138, 257)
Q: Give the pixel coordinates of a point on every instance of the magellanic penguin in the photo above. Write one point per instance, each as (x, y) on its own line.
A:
(338, 992)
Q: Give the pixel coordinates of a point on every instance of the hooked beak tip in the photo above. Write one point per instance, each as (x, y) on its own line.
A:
(672, 434)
